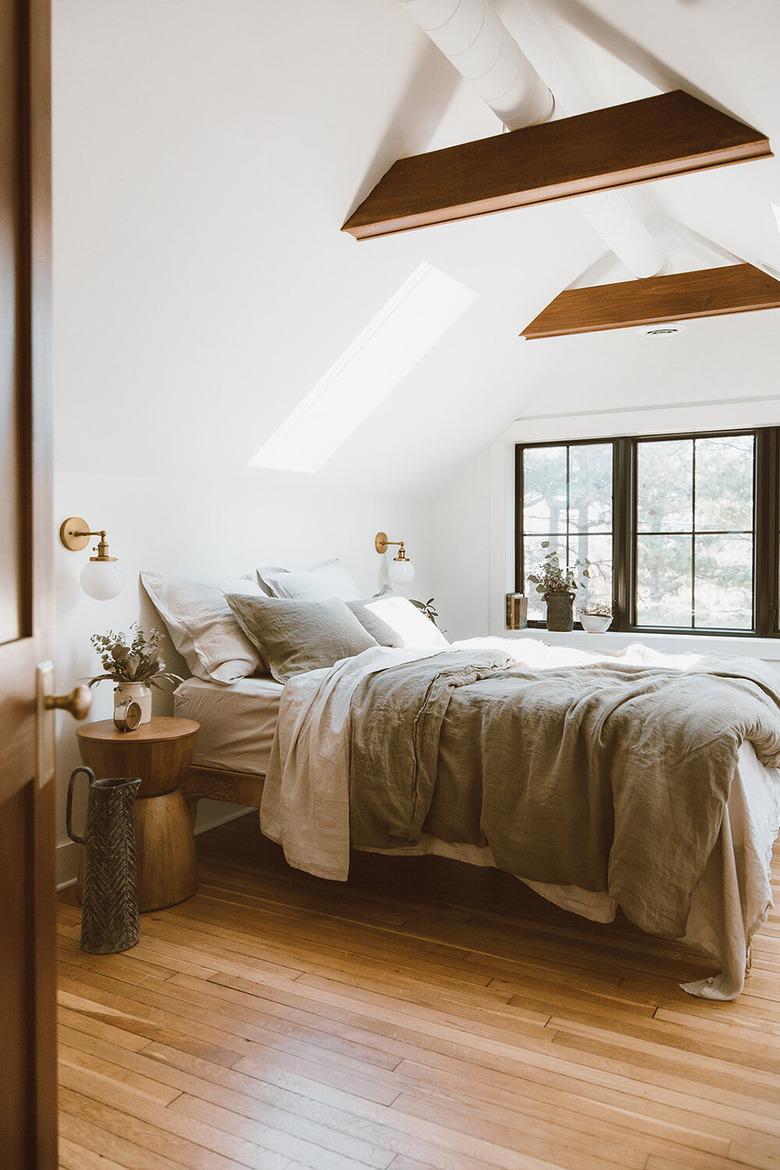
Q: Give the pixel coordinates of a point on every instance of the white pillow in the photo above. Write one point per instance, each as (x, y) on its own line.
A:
(413, 628)
(202, 626)
(272, 570)
(324, 581)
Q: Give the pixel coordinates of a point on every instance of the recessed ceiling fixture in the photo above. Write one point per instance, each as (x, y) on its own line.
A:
(404, 330)
(663, 330)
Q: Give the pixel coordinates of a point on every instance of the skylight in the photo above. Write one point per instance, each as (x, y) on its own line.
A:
(404, 330)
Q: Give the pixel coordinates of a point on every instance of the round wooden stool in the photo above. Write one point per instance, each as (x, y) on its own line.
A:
(159, 753)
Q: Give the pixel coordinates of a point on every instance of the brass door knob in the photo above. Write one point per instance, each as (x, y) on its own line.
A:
(78, 702)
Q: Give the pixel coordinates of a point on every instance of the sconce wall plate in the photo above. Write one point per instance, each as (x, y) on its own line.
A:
(400, 570)
(74, 533)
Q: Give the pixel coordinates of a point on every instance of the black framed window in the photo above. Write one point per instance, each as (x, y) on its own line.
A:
(695, 543)
(683, 530)
(567, 506)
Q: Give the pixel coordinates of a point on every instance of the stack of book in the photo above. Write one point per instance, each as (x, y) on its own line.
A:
(516, 611)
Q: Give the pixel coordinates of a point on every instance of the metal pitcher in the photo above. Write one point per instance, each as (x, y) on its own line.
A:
(109, 910)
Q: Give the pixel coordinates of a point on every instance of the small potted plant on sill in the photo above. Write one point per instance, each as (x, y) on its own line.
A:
(558, 587)
(134, 664)
(596, 617)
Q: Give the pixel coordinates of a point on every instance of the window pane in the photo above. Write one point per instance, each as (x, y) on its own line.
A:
(533, 555)
(724, 484)
(598, 550)
(590, 487)
(544, 489)
(665, 486)
(663, 580)
(724, 582)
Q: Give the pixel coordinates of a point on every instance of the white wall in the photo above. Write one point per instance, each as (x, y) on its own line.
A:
(460, 548)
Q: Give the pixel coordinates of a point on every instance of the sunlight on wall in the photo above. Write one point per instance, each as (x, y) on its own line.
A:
(404, 330)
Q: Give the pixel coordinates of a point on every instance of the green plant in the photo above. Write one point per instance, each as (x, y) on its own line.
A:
(133, 659)
(426, 607)
(597, 609)
(551, 577)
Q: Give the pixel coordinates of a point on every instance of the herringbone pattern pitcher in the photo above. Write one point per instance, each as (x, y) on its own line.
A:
(109, 910)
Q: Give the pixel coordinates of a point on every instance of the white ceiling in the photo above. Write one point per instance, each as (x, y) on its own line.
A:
(206, 154)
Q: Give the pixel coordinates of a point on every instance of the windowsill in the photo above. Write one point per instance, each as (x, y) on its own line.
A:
(746, 647)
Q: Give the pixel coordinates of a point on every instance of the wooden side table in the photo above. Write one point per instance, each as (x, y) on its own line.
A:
(159, 753)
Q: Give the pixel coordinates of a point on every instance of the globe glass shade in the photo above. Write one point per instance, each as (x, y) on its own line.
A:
(400, 572)
(102, 580)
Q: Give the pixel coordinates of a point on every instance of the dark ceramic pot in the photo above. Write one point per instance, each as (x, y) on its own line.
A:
(560, 611)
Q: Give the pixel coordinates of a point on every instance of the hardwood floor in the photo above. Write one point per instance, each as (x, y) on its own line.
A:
(427, 1014)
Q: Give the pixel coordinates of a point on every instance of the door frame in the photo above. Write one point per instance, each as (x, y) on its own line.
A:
(31, 42)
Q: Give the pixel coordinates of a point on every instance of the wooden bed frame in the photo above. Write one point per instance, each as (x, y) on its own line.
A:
(202, 783)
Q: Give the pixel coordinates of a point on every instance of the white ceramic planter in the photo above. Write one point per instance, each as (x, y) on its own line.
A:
(594, 623)
(140, 693)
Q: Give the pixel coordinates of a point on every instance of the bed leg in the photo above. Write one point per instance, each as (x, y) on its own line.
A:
(749, 961)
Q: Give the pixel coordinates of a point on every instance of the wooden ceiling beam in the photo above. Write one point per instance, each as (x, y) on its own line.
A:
(671, 134)
(682, 296)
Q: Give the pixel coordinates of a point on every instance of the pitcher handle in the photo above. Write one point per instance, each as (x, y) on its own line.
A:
(69, 808)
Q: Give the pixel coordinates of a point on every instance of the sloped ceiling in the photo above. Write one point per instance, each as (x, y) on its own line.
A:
(207, 153)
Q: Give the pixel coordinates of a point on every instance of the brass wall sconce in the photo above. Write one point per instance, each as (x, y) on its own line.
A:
(101, 577)
(400, 570)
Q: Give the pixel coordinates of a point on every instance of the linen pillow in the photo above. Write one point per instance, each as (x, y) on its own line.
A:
(411, 627)
(296, 636)
(202, 626)
(330, 579)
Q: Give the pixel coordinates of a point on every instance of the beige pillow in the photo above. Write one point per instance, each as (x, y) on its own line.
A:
(201, 626)
(296, 636)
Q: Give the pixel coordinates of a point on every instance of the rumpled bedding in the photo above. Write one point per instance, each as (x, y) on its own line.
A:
(607, 775)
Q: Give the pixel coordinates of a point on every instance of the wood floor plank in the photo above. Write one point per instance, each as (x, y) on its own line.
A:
(153, 1140)
(246, 1040)
(93, 1140)
(233, 1096)
(323, 1104)
(72, 1156)
(424, 1015)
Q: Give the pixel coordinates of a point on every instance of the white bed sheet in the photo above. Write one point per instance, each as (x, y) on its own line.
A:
(237, 722)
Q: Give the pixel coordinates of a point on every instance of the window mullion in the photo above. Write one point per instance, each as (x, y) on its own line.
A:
(766, 521)
(693, 537)
(622, 493)
(519, 525)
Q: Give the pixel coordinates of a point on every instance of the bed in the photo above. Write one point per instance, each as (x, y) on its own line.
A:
(237, 725)
(306, 808)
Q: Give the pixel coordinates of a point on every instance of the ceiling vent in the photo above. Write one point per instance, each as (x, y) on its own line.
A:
(663, 330)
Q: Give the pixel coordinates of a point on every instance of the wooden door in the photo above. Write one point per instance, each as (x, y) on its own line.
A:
(28, 1126)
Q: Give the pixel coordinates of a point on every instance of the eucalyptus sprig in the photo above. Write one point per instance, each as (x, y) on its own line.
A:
(427, 607)
(132, 658)
(550, 576)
